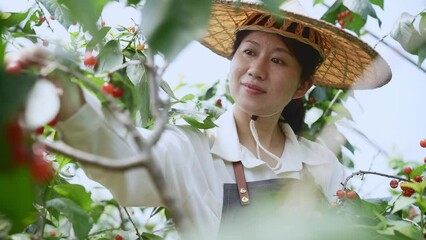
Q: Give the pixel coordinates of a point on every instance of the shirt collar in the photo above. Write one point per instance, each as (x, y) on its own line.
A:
(226, 145)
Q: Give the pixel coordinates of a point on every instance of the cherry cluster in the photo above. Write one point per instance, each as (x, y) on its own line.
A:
(344, 17)
(342, 194)
(110, 89)
(407, 191)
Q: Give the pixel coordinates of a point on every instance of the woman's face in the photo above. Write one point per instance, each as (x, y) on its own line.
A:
(264, 75)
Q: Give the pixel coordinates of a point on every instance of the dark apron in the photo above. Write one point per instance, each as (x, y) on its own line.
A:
(265, 198)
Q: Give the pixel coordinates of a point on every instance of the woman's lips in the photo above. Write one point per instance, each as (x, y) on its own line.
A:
(253, 88)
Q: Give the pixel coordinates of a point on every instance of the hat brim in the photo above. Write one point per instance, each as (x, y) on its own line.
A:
(349, 62)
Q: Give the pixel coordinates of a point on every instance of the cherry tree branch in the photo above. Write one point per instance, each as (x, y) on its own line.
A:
(159, 108)
(62, 148)
(362, 173)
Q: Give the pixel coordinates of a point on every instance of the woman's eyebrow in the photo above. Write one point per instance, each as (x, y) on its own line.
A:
(278, 49)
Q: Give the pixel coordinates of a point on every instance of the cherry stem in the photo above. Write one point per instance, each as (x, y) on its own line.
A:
(362, 173)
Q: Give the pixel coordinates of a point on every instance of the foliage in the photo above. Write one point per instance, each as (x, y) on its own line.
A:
(50, 205)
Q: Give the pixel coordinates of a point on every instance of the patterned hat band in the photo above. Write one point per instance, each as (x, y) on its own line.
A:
(285, 28)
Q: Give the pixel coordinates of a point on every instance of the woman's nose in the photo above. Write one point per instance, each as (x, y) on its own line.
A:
(257, 69)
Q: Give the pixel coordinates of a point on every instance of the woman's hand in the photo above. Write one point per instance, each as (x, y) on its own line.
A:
(70, 95)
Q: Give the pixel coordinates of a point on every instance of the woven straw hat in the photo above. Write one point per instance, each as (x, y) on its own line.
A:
(349, 63)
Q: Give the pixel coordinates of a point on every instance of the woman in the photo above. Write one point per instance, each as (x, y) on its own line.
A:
(255, 150)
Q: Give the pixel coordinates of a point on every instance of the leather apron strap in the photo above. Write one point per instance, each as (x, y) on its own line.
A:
(241, 183)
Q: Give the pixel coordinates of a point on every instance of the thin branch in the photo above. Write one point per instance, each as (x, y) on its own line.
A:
(44, 15)
(133, 223)
(362, 173)
(60, 147)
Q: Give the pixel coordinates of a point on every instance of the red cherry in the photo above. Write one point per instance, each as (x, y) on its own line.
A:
(41, 170)
(408, 170)
(423, 143)
(107, 88)
(342, 23)
(218, 103)
(346, 13)
(393, 183)
(118, 237)
(351, 194)
(407, 192)
(41, 19)
(351, 19)
(312, 100)
(118, 92)
(52, 233)
(13, 68)
(90, 60)
(340, 193)
(418, 178)
(52, 17)
(39, 131)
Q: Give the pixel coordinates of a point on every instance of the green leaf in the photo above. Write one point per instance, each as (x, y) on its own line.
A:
(16, 198)
(405, 33)
(362, 7)
(331, 13)
(196, 121)
(59, 11)
(110, 57)
(169, 25)
(135, 72)
(211, 92)
(80, 220)
(133, 2)
(422, 25)
(379, 3)
(188, 97)
(418, 171)
(98, 38)
(87, 12)
(144, 106)
(318, 2)
(150, 236)
(167, 89)
(422, 55)
(12, 19)
(402, 203)
(75, 192)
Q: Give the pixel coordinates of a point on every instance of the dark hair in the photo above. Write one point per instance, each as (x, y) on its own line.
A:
(309, 59)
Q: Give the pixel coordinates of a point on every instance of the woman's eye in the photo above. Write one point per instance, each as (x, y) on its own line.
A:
(249, 52)
(277, 61)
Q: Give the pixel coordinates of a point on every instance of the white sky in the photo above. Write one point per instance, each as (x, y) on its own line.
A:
(393, 116)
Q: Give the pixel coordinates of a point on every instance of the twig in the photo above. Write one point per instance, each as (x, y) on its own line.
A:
(332, 102)
(133, 223)
(44, 15)
(96, 160)
(362, 173)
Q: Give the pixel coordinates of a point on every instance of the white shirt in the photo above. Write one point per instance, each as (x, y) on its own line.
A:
(195, 163)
